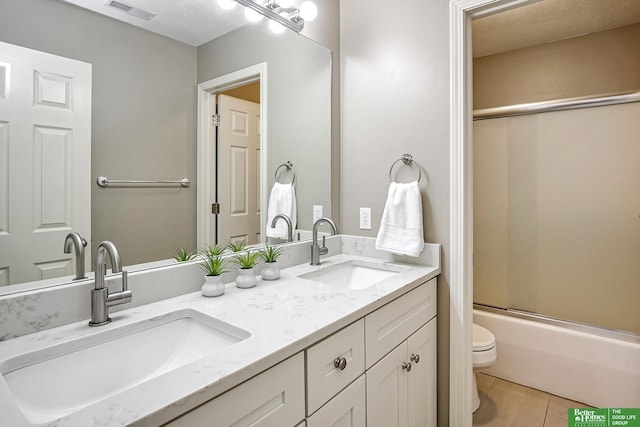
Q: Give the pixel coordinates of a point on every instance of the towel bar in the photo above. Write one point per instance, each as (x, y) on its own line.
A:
(407, 159)
(103, 181)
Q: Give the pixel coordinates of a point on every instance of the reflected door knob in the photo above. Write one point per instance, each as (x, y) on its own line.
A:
(415, 358)
(406, 366)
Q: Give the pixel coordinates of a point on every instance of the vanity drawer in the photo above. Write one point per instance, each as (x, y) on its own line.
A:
(388, 326)
(274, 398)
(324, 379)
(347, 409)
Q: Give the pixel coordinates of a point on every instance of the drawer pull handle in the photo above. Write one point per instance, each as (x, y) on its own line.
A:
(415, 358)
(406, 366)
(340, 363)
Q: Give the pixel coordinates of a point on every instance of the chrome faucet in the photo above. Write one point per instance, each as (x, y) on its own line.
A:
(289, 225)
(74, 240)
(316, 250)
(101, 300)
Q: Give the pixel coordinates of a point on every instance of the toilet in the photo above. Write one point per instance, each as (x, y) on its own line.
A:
(484, 355)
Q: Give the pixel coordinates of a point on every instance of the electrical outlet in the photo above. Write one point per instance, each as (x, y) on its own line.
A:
(365, 218)
(317, 212)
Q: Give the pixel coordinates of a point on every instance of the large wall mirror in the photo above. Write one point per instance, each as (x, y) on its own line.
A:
(144, 126)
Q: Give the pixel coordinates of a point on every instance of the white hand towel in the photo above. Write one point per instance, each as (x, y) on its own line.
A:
(281, 201)
(401, 225)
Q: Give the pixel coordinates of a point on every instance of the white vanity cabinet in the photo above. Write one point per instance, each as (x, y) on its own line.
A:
(399, 358)
(357, 377)
(401, 361)
(274, 398)
(401, 387)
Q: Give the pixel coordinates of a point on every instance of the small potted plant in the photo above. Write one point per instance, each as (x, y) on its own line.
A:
(183, 255)
(246, 261)
(269, 254)
(237, 245)
(213, 266)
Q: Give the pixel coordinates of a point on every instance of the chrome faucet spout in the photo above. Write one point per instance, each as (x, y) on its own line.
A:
(106, 248)
(75, 241)
(316, 250)
(289, 225)
(101, 299)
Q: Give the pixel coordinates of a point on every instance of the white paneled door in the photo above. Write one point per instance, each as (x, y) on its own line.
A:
(45, 162)
(239, 170)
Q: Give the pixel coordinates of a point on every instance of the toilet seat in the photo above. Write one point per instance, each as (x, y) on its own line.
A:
(483, 339)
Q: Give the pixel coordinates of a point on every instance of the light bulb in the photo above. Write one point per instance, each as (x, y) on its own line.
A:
(285, 3)
(308, 11)
(276, 27)
(227, 4)
(252, 15)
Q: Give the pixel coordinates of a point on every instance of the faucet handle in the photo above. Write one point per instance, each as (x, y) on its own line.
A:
(125, 281)
(323, 250)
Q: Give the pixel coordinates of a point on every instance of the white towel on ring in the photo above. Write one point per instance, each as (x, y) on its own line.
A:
(281, 201)
(401, 230)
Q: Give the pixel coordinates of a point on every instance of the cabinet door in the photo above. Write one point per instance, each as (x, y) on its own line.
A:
(387, 390)
(422, 378)
(275, 398)
(347, 409)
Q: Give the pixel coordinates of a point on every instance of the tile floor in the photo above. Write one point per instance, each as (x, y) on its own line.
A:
(507, 404)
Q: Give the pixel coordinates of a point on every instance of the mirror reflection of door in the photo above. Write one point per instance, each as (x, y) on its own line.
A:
(45, 154)
(238, 160)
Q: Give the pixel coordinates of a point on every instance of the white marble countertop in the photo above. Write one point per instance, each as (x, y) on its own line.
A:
(283, 317)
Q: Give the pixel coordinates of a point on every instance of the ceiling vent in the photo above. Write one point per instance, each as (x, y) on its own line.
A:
(134, 11)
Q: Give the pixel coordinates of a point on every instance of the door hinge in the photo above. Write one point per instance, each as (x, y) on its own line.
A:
(215, 208)
(215, 120)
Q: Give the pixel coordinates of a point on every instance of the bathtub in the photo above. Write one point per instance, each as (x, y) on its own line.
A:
(597, 370)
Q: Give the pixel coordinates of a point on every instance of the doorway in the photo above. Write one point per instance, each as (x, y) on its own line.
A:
(461, 12)
(231, 182)
(238, 165)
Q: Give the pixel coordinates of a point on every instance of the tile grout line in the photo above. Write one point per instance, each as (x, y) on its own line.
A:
(546, 412)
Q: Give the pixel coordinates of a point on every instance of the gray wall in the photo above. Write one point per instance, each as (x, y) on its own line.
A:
(325, 29)
(395, 99)
(299, 104)
(143, 120)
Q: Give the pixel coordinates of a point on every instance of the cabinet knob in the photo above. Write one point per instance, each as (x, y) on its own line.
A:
(340, 363)
(415, 358)
(406, 366)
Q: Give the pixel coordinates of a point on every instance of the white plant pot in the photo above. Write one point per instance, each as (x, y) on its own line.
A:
(246, 278)
(271, 271)
(213, 286)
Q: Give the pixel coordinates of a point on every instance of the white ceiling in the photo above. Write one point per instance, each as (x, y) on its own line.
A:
(549, 20)
(193, 22)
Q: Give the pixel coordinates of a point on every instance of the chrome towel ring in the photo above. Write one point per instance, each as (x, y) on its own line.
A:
(289, 166)
(407, 159)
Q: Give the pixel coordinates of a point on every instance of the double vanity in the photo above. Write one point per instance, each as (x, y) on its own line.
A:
(319, 346)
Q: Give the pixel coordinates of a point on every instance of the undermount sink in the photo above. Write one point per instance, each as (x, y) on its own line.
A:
(354, 274)
(55, 381)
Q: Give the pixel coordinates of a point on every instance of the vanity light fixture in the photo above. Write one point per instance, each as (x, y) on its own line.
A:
(227, 4)
(282, 14)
